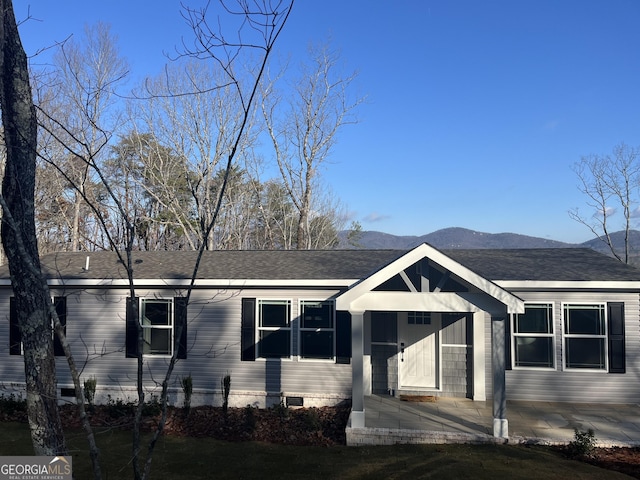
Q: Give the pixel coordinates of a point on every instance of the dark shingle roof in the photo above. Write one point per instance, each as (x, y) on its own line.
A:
(225, 264)
(545, 264)
(553, 264)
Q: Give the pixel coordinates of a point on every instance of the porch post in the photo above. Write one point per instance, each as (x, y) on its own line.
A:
(498, 367)
(357, 369)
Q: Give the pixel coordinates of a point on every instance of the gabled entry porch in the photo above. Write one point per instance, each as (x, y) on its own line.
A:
(424, 296)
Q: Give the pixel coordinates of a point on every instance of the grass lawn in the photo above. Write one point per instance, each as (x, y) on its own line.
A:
(203, 458)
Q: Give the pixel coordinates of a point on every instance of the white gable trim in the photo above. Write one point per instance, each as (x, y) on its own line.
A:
(361, 293)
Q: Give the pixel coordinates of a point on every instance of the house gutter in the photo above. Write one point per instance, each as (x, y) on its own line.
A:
(541, 285)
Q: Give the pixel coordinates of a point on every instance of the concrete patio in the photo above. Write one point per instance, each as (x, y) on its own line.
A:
(389, 420)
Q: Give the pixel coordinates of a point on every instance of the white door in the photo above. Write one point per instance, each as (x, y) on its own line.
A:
(418, 357)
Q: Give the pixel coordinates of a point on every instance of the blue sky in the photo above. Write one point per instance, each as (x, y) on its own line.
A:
(476, 110)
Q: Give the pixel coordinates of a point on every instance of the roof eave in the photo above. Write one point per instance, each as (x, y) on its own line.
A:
(199, 283)
(511, 285)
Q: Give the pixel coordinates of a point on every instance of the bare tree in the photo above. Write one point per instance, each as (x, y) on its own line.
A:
(199, 124)
(276, 221)
(153, 180)
(32, 299)
(34, 310)
(611, 184)
(304, 131)
(81, 113)
(263, 21)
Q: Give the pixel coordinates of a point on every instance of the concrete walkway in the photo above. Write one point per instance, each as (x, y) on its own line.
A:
(389, 420)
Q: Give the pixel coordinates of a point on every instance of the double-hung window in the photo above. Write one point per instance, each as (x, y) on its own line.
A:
(267, 330)
(317, 329)
(156, 320)
(533, 336)
(162, 323)
(274, 328)
(585, 336)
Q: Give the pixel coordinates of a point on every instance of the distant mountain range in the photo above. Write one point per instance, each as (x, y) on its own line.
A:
(456, 237)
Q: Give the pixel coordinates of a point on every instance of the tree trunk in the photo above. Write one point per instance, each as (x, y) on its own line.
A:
(19, 240)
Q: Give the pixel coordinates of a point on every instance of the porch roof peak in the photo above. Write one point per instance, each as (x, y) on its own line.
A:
(361, 295)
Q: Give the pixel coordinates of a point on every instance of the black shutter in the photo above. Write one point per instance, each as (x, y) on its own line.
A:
(617, 361)
(248, 330)
(131, 329)
(343, 337)
(15, 339)
(60, 304)
(180, 317)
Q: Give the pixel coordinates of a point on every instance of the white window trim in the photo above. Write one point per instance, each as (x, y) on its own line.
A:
(158, 327)
(552, 334)
(260, 328)
(604, 336)
(301, 329)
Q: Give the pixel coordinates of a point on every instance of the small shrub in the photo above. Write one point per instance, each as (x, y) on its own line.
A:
(152, 407)
(310, 420)
(12, 404)
(187, 389)
(90, 390)
(118, 408)
(250, 420)
(583, 443)
(226, 389)
(281, 410)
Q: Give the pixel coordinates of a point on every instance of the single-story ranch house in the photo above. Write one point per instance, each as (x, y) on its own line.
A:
(316, 327)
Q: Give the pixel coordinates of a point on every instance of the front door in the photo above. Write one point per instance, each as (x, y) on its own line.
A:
(418, 356)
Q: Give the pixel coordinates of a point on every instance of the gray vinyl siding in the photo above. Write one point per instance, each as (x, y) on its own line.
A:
(96, 330)
(561, 385)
